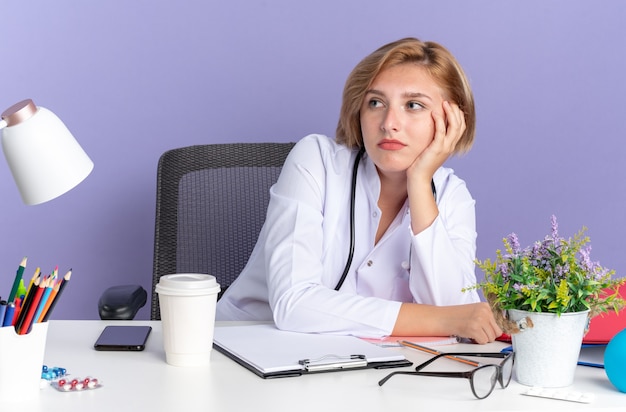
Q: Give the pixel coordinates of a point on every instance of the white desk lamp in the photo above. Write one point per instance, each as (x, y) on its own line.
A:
(45, 159)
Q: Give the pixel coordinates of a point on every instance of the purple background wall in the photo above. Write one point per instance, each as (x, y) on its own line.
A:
(132, 79)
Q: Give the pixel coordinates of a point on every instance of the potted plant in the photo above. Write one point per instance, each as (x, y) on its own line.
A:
(544, 296)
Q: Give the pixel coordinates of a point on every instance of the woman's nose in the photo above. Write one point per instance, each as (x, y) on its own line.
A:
(391, 121)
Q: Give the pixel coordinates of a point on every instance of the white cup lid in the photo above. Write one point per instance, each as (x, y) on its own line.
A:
(187, 284)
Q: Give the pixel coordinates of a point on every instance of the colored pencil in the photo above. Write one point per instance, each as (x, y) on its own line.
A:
(54, 301)
(51, 298)
(30, 295)
(32, 308)
(49, 283)
(18, 278)
(32, 280)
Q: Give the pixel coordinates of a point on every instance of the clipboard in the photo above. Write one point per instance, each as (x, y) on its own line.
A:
(272, 353)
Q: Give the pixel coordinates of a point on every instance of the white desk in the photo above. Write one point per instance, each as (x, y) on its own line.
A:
(142, 381)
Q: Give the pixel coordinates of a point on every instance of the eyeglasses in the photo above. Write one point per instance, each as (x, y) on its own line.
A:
(482, 379)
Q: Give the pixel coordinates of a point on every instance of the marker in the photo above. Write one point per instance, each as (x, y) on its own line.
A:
(436, 352)
(3, 309)
(16, 309)
(8, 316)
(21, 291)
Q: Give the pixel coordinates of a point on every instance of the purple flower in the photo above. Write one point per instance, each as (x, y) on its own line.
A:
(585, 261)
(538, 276)
(562, 271)
(514, 242)
(555, 228)
(600, 271)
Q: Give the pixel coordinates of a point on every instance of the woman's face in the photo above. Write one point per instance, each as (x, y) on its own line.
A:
(396, 116)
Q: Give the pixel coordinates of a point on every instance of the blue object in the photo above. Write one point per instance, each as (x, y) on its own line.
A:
(8, 315)
(52, 373)
(615, 361)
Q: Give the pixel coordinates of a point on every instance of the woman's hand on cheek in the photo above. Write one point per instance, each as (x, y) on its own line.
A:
(449, 127)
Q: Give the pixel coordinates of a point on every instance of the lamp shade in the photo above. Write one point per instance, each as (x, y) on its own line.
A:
(45, 159)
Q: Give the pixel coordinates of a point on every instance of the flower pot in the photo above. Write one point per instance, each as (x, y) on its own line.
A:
(546, 355)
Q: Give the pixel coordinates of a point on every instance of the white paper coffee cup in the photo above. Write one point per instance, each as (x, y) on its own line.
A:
(187, 303)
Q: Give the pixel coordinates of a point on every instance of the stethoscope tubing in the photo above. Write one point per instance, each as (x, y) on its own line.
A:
(355, 169)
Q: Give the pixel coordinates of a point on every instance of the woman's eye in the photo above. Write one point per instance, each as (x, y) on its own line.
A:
(375, 103)
(415, 105)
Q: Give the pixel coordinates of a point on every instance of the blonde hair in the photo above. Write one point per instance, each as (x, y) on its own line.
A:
(439, 63)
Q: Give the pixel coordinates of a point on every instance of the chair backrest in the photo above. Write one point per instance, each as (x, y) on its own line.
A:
(211, 204)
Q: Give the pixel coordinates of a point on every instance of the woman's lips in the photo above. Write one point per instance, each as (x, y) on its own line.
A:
(391, 145)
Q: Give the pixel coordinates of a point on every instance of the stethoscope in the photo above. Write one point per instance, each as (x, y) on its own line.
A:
(355, 169)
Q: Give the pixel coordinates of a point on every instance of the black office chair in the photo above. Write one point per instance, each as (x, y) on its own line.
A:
(210, 207)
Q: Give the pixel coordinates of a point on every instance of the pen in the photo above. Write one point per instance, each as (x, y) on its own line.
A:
(436, 352)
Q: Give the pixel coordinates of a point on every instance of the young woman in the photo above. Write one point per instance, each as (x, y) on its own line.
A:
(369, 234)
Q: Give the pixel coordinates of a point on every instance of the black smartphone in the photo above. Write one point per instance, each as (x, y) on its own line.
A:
(123, 338)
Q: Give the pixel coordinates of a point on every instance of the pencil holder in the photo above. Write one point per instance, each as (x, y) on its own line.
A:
(21, 360)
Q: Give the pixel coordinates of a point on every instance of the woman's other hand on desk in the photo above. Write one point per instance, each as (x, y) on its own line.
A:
(473, 321)
(476, 322)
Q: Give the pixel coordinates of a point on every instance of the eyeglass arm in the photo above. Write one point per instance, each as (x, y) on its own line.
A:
(466, 375)
(454, 354)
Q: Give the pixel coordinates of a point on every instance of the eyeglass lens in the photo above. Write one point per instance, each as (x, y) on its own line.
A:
(506, 370)
(484, 380)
